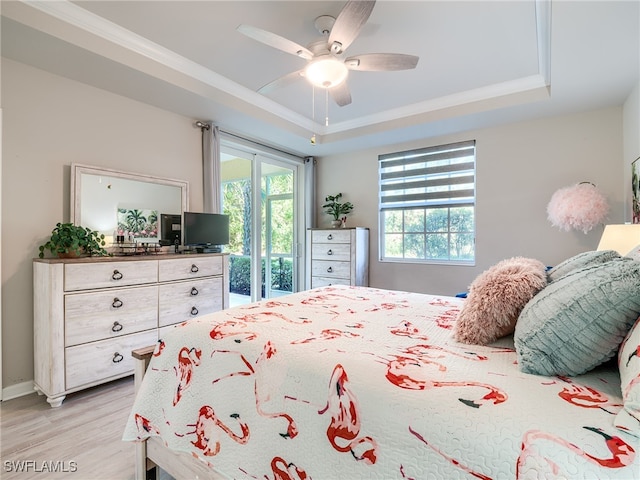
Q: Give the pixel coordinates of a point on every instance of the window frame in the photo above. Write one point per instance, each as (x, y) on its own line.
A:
(425, 206)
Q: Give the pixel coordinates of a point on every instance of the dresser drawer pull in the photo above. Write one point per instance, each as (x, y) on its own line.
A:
(117, 358)
(117, 326)
(194, 268)
(116, 275)
(194, 291)
(117, 303)
(329, 237)
(330, 269)
(329, 252)
(194, 311)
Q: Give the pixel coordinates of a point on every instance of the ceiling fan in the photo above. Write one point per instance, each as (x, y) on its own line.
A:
(326, 67)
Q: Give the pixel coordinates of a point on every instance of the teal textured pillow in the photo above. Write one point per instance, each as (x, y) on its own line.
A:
(578, 322)
(581, 260)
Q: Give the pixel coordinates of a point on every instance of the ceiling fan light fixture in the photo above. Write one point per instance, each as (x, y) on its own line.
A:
(326, 72)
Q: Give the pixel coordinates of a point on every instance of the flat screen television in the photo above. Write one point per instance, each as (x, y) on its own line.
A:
(207, 232)
(170, 229)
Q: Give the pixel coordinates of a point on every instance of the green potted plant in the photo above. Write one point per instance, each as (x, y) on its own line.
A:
(69, 240)
(336, 209)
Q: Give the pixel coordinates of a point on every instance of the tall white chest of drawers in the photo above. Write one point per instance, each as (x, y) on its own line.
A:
(337, 256)
(90, 313)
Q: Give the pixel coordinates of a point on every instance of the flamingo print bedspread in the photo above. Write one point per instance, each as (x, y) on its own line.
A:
(362, 383)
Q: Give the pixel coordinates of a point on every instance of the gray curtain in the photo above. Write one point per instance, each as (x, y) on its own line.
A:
(310, 192)
(211, 168)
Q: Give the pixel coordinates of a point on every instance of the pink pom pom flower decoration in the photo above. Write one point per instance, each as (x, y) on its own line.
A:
(579, 207)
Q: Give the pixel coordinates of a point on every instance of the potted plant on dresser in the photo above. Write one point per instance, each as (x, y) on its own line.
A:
(68, 240)
(338, 210)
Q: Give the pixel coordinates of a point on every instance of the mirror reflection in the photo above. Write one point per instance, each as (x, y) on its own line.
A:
(124, 204)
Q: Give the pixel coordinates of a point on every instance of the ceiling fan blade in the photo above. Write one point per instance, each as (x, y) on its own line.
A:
(283, 81)
(275, 41)
(341, 94)
(349, 23)
(381, 62)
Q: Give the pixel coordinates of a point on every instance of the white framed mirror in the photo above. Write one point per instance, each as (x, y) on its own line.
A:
(110, 201)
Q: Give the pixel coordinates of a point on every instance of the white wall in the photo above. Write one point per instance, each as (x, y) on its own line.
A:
(49, 123)
(631, 122)
(519, 167)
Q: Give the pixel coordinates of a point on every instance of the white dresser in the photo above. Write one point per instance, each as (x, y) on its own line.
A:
(337, 256)
(90, 313)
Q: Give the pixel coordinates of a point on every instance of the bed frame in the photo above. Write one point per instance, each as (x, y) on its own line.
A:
(151, 454)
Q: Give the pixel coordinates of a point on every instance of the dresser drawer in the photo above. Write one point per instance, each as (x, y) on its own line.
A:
(331, 236)
(93, 362)
(192, 266)
(332, 269)
(182, 301)
(87, 276)
(329, 251)
(109, 313)
(327, 281)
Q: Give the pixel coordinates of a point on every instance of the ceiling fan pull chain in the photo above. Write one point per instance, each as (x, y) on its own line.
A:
(326, 107)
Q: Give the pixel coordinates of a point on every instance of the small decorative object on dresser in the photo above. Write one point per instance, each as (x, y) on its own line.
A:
(68, 241)
(91, 312)
(338, 257)
(337, 210)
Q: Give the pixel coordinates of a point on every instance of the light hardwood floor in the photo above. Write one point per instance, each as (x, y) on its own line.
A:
(84, 435)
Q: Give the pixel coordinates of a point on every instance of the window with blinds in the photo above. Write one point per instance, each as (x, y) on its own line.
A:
(427, 204)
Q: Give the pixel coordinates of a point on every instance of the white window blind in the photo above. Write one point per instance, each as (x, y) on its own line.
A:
(429, 177)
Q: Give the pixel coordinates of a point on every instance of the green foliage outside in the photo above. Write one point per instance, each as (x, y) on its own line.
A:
(430, 234)
(240, 274)
(237, 204)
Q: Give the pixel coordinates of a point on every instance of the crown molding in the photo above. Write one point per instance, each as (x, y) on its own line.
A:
(75, 16)
(131, 43)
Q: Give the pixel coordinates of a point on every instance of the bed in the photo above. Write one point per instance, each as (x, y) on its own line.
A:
(361, 383)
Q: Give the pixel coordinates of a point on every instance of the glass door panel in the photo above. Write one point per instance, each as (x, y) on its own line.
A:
(237, 194)
(278, 230)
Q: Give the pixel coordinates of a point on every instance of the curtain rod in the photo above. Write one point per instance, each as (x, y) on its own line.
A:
(206, 126)
(268, 147)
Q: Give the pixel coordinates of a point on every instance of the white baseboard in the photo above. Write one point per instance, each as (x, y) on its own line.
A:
(17, 390)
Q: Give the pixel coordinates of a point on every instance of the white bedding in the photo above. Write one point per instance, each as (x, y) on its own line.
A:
(352, 382)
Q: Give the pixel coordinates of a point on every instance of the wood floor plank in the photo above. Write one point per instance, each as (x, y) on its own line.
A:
(81, 439)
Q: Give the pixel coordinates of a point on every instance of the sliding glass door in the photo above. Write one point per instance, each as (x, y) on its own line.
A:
(278, 232)
(260, 197)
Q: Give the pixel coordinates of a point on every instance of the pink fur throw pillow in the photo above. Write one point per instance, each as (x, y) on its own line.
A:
(496, 298)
